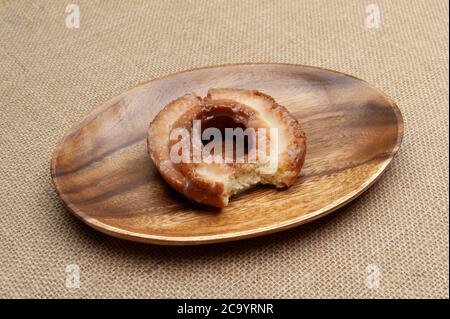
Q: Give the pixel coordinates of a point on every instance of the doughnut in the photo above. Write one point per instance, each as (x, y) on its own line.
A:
(187, 145)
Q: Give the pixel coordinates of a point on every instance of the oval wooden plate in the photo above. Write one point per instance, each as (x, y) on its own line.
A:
(103, 174)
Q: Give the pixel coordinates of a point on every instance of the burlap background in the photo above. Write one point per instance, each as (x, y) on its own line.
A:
(52, 75)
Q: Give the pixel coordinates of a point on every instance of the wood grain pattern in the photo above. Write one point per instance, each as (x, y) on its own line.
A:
(103, 174)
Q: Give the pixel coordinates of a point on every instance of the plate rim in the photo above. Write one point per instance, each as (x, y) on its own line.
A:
(217, 238)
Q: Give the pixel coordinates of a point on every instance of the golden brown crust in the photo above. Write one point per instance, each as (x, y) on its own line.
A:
(158, 147)
(214, 183)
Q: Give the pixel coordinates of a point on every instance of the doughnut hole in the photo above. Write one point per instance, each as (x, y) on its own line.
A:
(222, 122)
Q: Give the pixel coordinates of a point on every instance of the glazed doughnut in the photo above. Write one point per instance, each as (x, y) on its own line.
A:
(213, 178)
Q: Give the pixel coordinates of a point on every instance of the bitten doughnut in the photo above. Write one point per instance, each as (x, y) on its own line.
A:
(274, 153)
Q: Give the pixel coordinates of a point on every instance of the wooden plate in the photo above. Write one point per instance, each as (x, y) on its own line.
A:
(103, 174)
